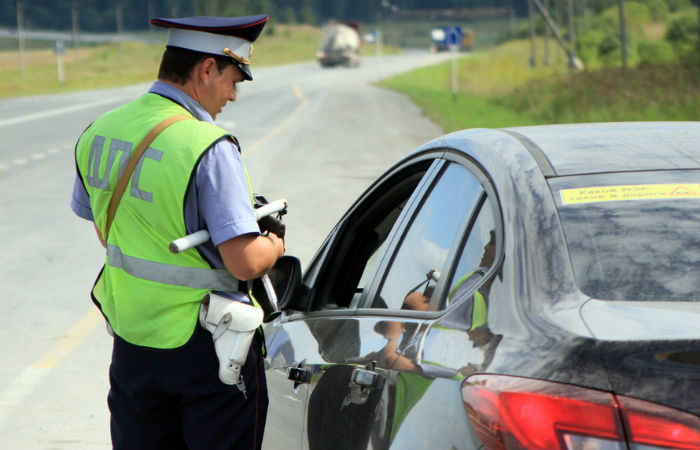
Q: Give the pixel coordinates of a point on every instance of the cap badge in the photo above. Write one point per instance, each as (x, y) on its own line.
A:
(240, 59)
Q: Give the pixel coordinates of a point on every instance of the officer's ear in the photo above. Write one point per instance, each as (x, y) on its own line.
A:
(206, 69)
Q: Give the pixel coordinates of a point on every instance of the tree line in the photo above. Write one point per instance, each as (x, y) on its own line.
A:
(133, 15)
(103, 15)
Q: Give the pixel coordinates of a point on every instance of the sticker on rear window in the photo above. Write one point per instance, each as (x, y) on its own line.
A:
(629, 192)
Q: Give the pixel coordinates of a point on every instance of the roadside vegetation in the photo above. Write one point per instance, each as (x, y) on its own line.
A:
(498, 88)
(120, 64)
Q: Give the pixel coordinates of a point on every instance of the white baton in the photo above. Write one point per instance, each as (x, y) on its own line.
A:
(202, 236)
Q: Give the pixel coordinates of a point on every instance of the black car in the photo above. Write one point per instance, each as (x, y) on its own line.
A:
(522, 288)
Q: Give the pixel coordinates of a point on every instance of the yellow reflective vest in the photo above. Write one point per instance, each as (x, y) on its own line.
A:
(150, 296)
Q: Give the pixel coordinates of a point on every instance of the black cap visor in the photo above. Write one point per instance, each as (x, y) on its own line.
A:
(245, 68)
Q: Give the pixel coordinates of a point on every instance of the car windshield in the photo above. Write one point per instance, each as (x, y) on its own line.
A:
(633, 236)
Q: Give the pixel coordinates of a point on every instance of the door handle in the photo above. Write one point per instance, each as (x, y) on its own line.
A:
(366, 378)
(298, 375)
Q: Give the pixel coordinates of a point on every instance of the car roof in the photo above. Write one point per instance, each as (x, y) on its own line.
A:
(576, 149)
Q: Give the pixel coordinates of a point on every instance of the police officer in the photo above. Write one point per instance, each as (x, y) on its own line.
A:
(165, 392)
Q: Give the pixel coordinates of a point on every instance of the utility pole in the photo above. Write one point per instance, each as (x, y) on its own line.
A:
(531, 16)
(558, 17)
(378, 38)
(623, 34)
(120, 20)
(59, 49)
(572, 33)
(574, 62)
(20, 36)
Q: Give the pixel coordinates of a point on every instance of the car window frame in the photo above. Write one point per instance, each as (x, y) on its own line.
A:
(440, 157)
(489, 194)
(385, 269)
(325, 256)
(374, 287)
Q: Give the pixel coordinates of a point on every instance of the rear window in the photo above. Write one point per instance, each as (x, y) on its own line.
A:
(633, 236)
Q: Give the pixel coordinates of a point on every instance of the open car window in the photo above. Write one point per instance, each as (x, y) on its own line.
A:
(355, 251)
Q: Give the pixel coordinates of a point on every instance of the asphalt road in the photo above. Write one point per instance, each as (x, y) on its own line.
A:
(315, 136)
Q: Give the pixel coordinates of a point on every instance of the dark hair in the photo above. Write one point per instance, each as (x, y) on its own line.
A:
(177, 63)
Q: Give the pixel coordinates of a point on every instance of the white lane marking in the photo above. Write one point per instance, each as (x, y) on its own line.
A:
(36, 156)
(27, 381)
(57, 111)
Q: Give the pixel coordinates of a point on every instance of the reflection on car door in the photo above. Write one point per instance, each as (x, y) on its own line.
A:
(303, 344)
(406, 288)
(372, 378)
(285, 420)
(375, 298)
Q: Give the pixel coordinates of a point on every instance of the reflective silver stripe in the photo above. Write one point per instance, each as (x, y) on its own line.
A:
(214, 279)
(150, 153)
(95, 158)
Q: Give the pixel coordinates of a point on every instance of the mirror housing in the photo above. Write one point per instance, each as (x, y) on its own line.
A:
(286, 278)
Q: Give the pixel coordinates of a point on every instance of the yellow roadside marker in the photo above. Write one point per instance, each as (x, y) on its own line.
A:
(69, 341)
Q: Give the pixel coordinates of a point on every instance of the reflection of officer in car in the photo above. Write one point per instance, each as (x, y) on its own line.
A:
(336, 422)
(165, 387)
(390, 356)
(339, 418)
(474, 311)
(469, 315)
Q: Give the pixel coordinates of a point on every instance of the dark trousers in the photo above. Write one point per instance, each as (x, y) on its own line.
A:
(173, 399)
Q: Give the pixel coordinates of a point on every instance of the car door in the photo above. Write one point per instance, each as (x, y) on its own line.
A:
(373, 295)
(421, 302)
(302, 344)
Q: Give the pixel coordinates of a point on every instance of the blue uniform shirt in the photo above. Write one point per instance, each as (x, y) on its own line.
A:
(218, 200)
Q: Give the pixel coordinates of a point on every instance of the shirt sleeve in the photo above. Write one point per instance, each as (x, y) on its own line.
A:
(80, 202)
(223, 195)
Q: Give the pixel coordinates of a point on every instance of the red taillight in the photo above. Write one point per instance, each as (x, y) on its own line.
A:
(518, 413)
(659, 426)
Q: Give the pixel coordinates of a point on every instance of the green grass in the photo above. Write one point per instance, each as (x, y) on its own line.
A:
(650, 92)
(84, 68)
(92, 67)
(104, 66)
(430, 89)
(499, 89)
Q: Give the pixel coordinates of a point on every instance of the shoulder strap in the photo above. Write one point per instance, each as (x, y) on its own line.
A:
(135, 156)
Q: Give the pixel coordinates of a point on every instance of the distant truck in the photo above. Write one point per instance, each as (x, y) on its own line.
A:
(340, 45)
(441, 38)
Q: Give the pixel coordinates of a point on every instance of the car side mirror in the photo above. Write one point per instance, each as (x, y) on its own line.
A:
(286, 280)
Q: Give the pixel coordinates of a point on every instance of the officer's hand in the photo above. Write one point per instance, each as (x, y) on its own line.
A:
(273, 225)
(278, 244)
